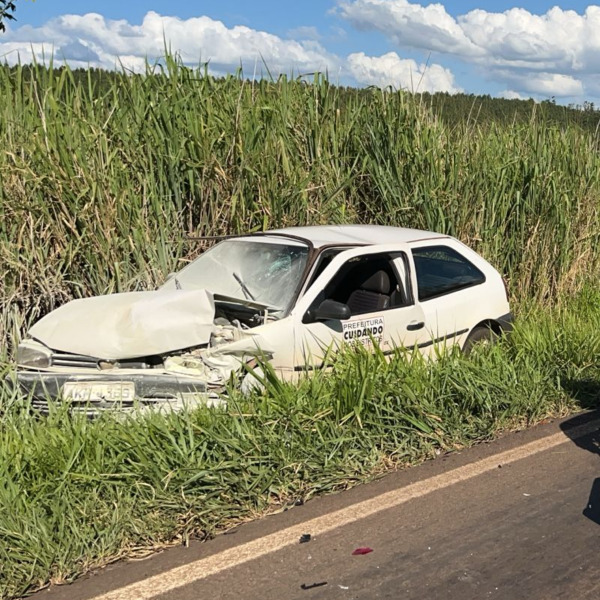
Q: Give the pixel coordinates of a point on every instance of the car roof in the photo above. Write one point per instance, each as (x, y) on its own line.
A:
(326, 235)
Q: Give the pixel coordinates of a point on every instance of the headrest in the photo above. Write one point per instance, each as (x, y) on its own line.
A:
(379, 283)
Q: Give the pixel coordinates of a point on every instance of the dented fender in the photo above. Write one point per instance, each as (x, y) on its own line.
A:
(217, 363)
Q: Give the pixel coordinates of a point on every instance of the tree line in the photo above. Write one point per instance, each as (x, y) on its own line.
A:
(453, 109)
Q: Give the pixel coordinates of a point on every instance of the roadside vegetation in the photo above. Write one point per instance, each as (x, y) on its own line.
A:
(76, 494)
(101, 181)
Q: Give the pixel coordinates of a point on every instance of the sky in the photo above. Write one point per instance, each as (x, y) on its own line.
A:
(518, 49)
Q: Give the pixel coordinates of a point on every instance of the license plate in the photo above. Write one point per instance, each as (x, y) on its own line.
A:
(85, 391)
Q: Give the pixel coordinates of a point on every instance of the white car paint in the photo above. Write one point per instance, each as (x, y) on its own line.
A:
(313, 340)
(458, 313)
(330, 235)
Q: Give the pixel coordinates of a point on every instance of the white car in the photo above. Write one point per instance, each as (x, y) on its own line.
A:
(287, 296)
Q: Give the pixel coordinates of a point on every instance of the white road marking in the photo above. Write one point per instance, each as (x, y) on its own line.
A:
(178, 577)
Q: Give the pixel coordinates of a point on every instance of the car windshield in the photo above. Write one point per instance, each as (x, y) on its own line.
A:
(259, 271)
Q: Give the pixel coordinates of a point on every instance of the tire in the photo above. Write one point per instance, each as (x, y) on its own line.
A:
(479, 336)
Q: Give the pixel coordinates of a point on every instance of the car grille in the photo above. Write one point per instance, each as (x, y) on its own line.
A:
(89, 408)
(96, 408)
(74, 360)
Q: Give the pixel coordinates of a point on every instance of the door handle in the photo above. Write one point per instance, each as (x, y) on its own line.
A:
(415, 325)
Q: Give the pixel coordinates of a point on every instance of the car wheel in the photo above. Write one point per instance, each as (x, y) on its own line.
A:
(480, 336)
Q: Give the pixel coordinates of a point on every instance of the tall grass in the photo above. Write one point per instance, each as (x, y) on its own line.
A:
(100, 185)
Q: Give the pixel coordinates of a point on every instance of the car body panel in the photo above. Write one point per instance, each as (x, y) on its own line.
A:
(366, 235)
(133, 324)
(314, 340)
(452, 316)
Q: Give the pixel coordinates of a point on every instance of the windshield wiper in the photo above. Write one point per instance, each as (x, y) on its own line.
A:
(244, 287)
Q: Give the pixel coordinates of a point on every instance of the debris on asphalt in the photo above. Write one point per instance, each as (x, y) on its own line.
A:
(305, 537)
(312, 585)
(361, 551)
(343, 587)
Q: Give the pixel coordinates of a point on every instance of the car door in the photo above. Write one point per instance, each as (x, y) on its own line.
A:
(449, 287)
(399, 322)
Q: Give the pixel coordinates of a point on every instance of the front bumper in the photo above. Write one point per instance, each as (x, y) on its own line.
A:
(152, 390)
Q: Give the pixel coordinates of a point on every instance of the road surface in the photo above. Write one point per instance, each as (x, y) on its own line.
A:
(515, 519)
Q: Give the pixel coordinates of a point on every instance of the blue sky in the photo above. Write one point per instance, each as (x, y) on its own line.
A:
(513, 49)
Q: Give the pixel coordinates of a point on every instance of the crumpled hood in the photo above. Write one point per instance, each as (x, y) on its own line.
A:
(130, 325)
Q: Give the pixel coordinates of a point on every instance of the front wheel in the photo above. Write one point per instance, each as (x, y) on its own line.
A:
(478, 337)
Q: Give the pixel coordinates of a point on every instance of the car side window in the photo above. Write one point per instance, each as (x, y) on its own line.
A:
(324, 259)
(365, 284)
(441, 270)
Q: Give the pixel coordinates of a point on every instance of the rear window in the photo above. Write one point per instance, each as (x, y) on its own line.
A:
(441, 270)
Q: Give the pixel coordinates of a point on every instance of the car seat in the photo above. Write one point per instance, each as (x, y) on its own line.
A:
(373, 294)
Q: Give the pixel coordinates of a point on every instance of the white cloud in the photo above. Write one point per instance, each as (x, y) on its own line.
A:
(305, 32)
(510, 95)
(545, 54)
(337, 34)
(391, 70)
(554, 40)
(546, 84)
(409, 25)
(103, 43)
(100, 42)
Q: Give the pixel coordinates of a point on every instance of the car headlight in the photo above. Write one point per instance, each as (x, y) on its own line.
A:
(34, 355)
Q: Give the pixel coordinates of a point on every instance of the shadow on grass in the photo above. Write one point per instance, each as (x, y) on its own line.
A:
(586, 391)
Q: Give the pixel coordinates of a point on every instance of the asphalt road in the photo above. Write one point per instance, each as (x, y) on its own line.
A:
(517, 518)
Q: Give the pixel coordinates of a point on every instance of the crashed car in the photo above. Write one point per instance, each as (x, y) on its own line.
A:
(286, 296)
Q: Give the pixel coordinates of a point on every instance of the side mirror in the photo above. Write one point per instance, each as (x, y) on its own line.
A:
(332, 310)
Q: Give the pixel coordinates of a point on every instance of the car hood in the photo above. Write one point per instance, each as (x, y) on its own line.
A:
(130, 325)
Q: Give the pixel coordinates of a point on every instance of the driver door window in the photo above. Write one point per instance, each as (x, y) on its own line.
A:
(366, 284)
(376, 288)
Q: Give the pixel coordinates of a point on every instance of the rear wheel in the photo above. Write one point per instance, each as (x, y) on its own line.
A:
(480, 336)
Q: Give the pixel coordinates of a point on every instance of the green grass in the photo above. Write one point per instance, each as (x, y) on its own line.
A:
(76, 494)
